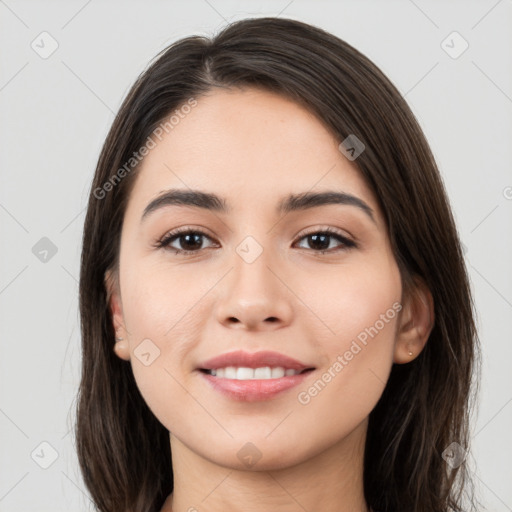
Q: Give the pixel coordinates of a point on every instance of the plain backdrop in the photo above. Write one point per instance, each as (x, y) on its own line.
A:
(65, 68)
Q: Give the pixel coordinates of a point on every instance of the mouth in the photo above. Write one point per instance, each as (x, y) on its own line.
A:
(251, 377)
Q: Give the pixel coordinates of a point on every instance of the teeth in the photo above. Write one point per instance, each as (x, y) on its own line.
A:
(257, 373)
(264, 373)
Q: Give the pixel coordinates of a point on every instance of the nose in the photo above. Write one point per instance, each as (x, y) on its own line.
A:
(254, 296)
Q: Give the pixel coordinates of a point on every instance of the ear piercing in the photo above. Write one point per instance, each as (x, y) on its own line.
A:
(410, 353)
(118, 338)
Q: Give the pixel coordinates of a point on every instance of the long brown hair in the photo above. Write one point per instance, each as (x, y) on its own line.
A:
(123, 450)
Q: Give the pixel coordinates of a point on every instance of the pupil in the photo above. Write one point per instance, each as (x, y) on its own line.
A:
(320, 246)
(192, 246)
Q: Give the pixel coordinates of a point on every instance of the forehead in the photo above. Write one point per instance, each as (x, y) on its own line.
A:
(250, 146)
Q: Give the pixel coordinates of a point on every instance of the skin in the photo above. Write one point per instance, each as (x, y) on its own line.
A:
(254, 147)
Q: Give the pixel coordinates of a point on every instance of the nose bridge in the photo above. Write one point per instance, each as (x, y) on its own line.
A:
(254, 295)
(252, 279)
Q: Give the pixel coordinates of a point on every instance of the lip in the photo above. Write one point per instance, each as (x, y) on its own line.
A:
(254, 390)
(239, 358)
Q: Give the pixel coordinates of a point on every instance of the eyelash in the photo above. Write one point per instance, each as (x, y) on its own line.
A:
(178, 233)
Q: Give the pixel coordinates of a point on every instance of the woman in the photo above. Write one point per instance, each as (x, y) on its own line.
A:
(275, 309)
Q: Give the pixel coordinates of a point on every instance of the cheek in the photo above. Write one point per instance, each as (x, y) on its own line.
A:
(349, 301)
(162, 301)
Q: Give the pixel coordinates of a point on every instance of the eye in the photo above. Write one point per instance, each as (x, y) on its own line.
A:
(321, 240)
(188, 239)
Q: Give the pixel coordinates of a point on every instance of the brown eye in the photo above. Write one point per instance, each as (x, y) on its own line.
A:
(189, 241)
(320, 241)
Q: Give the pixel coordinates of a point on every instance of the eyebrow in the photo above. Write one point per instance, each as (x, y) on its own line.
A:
(291, 203)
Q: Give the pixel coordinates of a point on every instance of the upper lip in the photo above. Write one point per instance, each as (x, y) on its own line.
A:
(239, 359)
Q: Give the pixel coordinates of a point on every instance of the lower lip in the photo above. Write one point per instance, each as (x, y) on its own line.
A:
(254, 390)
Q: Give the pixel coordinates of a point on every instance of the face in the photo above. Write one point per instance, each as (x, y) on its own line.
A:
(256, 278)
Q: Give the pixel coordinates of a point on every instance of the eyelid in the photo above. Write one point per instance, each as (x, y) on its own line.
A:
(325, 228)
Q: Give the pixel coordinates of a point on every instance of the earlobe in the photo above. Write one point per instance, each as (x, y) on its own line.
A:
(122, 349)
(415, 324)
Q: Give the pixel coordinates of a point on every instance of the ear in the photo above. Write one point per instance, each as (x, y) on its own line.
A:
(415, 323)
(121, 347)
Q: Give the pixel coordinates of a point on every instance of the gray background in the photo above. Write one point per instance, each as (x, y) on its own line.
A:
(55, 114)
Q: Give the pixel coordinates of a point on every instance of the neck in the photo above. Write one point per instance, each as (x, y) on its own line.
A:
(331, 481)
